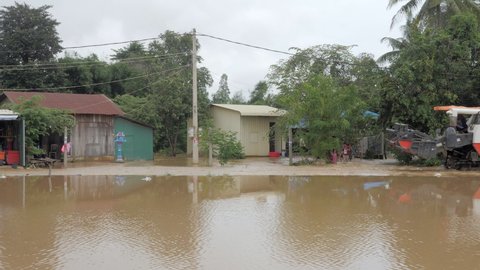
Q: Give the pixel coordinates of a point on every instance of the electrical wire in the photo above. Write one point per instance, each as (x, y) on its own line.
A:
(245, 44)
(52, 67)
(87, 85)
(132, 92)
(87, 46)
(275, 51)
(93, 62)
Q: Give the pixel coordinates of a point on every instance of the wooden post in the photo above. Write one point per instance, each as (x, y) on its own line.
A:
(210, 154)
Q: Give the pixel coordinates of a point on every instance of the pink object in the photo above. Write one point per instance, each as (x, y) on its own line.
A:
(334, 157)
(66, 147)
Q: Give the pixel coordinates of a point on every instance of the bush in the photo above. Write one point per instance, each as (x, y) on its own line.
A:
(229, 148)
(403, 157)
(432, 162)
(225, 144)
(408, 159)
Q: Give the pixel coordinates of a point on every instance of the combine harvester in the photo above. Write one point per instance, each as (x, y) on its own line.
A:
(459, 146)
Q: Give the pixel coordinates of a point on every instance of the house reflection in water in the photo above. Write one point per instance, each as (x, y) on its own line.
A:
(223, 187)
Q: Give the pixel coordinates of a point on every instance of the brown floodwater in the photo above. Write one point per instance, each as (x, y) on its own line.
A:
(254, 222)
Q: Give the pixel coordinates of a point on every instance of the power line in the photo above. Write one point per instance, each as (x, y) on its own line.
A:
(87, 85)
(93, 62)
(276, 51)
(54, 66)
(87, 46)
(134, 91)
(110, 43)
(245, 44)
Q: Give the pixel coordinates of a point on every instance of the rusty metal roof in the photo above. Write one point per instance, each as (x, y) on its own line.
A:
(75, 103)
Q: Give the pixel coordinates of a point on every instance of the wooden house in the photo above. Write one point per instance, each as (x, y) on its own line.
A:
(92, 137)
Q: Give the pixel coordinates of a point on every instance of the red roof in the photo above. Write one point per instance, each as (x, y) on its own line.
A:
(76, 103)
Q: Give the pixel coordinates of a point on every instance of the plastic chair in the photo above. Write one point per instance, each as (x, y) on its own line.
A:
(53, 151)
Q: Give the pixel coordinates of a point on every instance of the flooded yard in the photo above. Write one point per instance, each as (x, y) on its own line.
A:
(242, 222)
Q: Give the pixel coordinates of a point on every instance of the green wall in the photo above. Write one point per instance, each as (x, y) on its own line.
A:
(139, 145)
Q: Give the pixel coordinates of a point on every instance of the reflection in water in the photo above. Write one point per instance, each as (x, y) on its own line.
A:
(261, 222)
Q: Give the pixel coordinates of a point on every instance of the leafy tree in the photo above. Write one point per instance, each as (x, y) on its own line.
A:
(222, 96)
(433, 14)
(437, 67)
(141, 109)
(167, 91)
(397, 44)
(238, 98)
(367, 78)
(86, 71)
(333, 114)
(329, 60)
(28, 36)
(40, 121)
(134, 49)
(259, 94)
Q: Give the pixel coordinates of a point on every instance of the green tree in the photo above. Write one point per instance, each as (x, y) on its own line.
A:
(167, 90)
(222, 96)
(28, 36)
(433, 13)
(141, 109)
(332, 114)
(238, 98)
(259, 94)
(134, 49)
(397, 44)
(132, 61)
(329, 60)
(435, 68)
(367, 78)
(88, 72)
(40, 121)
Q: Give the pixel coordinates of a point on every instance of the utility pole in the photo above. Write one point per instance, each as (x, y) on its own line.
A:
(65, 147)
(194, 99)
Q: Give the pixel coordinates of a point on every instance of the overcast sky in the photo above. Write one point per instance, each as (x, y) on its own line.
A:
(276, 24)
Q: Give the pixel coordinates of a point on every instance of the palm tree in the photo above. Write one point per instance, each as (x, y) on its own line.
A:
(433, 13)
(398, 44)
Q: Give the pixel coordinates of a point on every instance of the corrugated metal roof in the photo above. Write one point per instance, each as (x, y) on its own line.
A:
(252, 110)
(8, 114)
(76, 103)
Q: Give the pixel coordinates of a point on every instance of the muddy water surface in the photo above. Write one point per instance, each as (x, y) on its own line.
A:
(254, 222)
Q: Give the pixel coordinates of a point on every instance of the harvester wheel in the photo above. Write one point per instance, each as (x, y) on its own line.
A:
(451, 162)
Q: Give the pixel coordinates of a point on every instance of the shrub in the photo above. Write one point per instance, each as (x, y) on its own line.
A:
(225, 144)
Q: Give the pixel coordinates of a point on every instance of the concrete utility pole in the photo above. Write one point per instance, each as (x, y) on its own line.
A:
(194, 99)
(65, 152)
(290, 148)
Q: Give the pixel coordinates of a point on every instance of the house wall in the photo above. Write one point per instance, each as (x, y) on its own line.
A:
(254, 135)
(92, 137)
(252, 131)
(227, 120)
(139, 144)
(223, 119)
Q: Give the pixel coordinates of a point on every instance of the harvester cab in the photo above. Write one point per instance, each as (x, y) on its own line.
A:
(459, 145)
